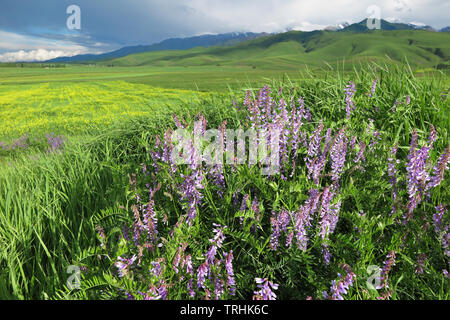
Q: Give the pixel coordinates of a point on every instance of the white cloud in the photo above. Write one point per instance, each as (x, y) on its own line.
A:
(15, 41)
(307, 15)
(18, 47)
(35, 55)
(307, 26)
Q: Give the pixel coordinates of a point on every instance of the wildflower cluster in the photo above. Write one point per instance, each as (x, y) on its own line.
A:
(298, 200)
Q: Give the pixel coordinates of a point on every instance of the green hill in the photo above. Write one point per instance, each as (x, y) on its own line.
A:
(295, 48)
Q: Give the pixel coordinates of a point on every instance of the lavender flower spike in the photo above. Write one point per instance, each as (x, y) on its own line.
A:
(266, 290)
(374, 86)
(349, 93)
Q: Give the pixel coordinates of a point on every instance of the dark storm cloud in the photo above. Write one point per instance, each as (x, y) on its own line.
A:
(122, 22)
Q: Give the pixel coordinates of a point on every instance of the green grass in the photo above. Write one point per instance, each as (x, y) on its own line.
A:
(203, 78)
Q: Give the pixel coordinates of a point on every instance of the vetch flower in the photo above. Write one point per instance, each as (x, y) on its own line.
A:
(392, 171)
(387, 266)
(231, 283)
(266, 291)
(439, 169)
(337, 154)
(374, 86)
(123, 264)
(350, 90)
(202, 272)
(340, 287)
(437, 218)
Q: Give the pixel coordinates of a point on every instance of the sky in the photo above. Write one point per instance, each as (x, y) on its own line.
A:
(37, 30)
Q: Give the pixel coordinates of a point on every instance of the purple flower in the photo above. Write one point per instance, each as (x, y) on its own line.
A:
(275, 232)
(376, 136)
(279, 223)
(296, 121)
(218, 288)
(190, 194)
(360, 156)
(446, 242)
(387, 266)
(413, 145)
(138, 225)
(211, 254)
(150, 220)
(313, 149)
(329, 214)
(190, 288)
(341, 286)
(188, 263)
(319, 163)
(421, 263)
(156, 270)
(177, 122)
(55, 143)
(219, 237)
(177, 259)
(433, 136)
(439, 169)
(337, 154)
(326, 254)
(352, 143)
(301, 225)
(417, 177)
(350, 90)
(437, 218)
(266, 290)
(162, 292)
(202, 272)
(231, 283)
(315, 140)
(374, 86)
(123, 264)
(392, 175)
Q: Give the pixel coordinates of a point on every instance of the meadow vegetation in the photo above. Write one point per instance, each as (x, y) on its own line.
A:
(85, 180)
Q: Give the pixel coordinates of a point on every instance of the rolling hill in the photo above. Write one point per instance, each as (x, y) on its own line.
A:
(294, 48)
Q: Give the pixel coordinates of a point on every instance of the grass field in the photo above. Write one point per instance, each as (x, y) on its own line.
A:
(72, 108)
(106, 200)
(207, 78)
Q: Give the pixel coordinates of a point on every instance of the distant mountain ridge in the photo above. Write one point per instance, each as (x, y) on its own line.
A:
(207, 40)
(362, 26)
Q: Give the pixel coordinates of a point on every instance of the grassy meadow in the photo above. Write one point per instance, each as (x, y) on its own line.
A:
(85, 180)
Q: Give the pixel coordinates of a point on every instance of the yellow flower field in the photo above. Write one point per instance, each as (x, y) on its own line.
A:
(71, 108)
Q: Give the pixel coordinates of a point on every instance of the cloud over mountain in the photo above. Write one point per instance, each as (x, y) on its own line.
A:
(35, 55)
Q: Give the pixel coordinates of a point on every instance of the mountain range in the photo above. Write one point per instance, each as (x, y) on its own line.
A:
(206, 40)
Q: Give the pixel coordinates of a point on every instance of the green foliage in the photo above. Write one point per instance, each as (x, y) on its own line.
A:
(51, 208)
